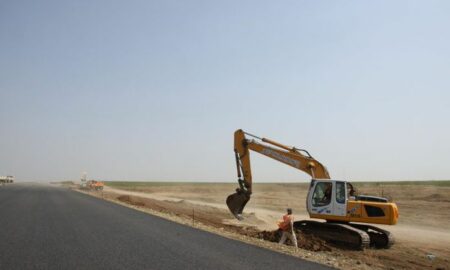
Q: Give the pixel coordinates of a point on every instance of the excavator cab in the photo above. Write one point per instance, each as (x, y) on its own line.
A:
(335, 201)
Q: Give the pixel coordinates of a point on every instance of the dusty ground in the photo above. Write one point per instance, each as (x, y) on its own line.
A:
(422, 235)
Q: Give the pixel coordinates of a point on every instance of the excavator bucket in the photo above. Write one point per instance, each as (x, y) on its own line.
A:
(236, 203)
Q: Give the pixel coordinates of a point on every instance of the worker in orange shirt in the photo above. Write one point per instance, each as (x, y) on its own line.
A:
(287, 226)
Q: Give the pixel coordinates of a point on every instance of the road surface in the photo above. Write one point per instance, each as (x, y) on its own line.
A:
(47, 227)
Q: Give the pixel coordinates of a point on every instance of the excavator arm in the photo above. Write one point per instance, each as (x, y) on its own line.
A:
(292, 156)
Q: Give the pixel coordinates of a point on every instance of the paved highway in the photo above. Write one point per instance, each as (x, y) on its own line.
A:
(45, 227)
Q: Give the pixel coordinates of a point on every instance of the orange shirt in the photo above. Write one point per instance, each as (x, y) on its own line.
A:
(285, 224)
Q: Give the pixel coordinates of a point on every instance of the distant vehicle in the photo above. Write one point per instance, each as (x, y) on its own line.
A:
(6, 179)
(95, 185)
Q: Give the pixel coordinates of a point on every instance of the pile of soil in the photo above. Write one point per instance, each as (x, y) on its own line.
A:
(129, 200)
(206, 215)
(304, 241)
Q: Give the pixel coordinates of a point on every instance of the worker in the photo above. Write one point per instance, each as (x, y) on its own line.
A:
(326, 199)
(287, 227)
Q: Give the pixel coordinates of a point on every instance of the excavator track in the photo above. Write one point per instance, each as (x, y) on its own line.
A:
(337, 233)
(379, 238)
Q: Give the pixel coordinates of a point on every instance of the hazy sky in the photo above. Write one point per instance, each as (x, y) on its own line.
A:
(153, 90)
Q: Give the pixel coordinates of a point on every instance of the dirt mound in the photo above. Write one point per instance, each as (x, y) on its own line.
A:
(206, 215)
(304, 241)
(128, 199)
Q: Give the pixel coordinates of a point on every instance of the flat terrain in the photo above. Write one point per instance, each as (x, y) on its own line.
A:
(47, 227)
(422, 235)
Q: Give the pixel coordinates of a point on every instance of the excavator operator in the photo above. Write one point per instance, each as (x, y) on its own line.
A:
(351, 192)
(327, 194)
(287, 227)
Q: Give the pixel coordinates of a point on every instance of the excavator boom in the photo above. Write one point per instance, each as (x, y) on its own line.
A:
(292, 156)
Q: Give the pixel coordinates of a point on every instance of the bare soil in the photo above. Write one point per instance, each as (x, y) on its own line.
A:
(422, 235)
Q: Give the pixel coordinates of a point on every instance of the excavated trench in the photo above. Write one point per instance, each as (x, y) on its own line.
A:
(304, 241)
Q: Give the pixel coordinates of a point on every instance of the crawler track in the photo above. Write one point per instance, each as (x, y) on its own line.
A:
(379, 238)
(354, 236)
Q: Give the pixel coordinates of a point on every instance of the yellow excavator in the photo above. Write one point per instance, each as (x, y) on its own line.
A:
(334, 201)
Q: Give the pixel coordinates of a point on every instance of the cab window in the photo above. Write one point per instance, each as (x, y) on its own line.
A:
(322, 194)
(340, 192)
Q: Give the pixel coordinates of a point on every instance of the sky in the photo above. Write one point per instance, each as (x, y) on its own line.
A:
(153, 90)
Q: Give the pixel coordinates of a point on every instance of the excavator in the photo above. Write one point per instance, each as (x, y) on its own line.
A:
(335, 201)
(95, 185)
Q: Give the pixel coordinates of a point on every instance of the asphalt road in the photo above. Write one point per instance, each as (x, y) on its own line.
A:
(45, 227)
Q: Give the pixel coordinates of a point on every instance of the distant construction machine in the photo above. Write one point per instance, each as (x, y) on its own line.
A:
(335, 201)
(6, 179)
(95, 185)
(91, 184)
